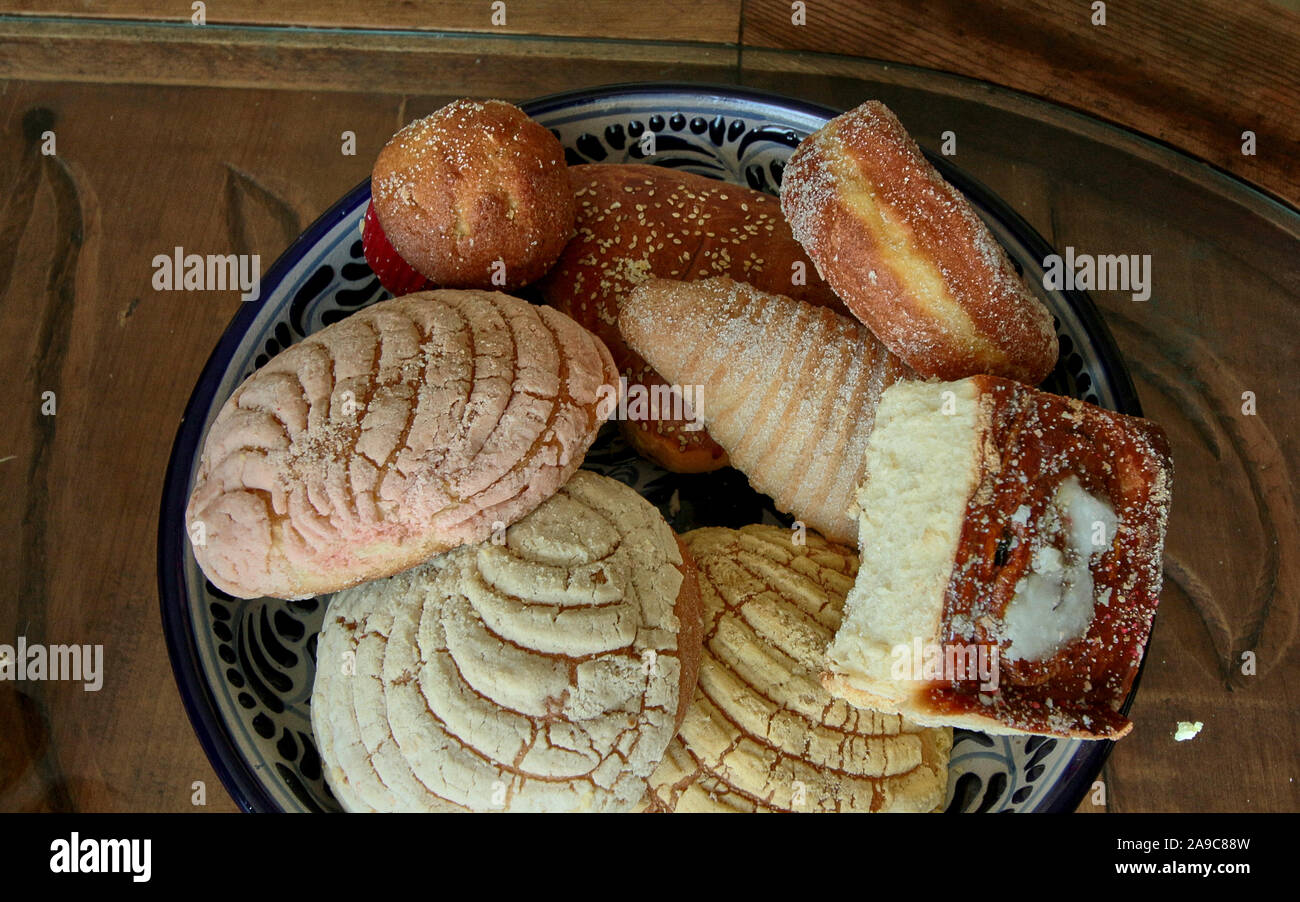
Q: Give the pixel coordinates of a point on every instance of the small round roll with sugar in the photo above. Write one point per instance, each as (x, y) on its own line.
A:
(475, 195)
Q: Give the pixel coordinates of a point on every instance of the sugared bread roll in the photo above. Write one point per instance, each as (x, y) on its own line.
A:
(762, 734)
(544, 672)
(789, 389)
(475, 195)
(909, 256)
(407, 429)
(1013, 537)
(637, 222)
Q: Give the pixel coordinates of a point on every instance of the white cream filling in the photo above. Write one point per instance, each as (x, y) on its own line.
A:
(1054, 602)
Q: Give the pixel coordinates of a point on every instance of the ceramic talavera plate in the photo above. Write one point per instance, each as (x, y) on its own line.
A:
(245, 668)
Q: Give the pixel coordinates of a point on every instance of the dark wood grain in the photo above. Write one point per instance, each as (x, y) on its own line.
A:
(716, 21)
(78, 316)
(328, 62)
(228, 141)
(1194, 74)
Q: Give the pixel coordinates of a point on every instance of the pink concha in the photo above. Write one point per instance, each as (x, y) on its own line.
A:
(412, 427)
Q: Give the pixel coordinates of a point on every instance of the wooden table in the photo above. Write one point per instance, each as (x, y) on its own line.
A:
(226, 138)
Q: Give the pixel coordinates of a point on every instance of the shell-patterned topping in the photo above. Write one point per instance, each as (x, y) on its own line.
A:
(406, 429)
(364, 766)
(541, 673)
(762, 734)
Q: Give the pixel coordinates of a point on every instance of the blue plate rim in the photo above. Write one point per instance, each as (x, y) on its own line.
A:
(236, 773)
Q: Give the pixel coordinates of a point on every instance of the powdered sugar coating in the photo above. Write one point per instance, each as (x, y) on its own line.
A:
(638, 222)
(791, 388)
(909, 255)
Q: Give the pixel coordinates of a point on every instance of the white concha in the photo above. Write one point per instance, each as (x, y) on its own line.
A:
(547, 672)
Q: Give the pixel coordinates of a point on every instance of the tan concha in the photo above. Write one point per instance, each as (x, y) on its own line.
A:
(788, 389)
(405, 430)
(545, 673)
(762, 734)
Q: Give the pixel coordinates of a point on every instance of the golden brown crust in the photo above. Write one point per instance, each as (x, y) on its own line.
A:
(1048, 521)
(636, 222)
(1033, 442)
(909, 256)
(844, 688)
(668, 442)
(470, 185)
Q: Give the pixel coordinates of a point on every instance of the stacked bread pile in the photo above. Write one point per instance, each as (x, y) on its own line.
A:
(510, 633)
(1010, 539)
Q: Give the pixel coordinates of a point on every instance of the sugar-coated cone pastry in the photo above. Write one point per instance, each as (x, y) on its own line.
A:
(907, 253)
(1011, 560)
(547, 671)
(789, 389)
(636, 222)
(407, 429)
(762, 734)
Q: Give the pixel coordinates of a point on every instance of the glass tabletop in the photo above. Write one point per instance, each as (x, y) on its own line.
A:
(250, 117)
